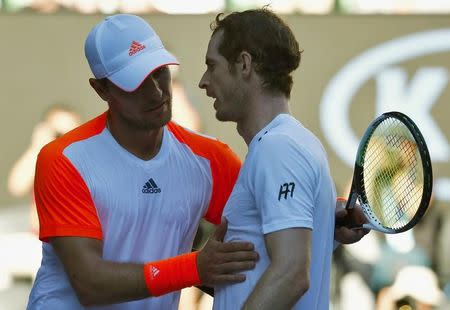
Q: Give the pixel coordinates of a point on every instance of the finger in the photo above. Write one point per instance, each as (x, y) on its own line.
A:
(236, 246)
(340, 213)
(221, 230)
(240, 256)
(357, 216)
(233, 267)
(347, 236)
(357, 235)
(361, 234)
(357, 229)
(361, 230)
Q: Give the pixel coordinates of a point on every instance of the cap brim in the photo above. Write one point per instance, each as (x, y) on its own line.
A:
(132, 76)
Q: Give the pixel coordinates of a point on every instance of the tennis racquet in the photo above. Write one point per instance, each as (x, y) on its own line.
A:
(392, 178)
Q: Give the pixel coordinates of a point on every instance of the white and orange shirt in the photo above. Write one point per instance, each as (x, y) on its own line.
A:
(87, 185)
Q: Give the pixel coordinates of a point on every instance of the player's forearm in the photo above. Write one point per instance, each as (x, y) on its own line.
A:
(119, 282)
(109, 282)
(278, 288)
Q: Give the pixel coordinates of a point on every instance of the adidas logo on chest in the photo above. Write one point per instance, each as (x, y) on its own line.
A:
(150, 187)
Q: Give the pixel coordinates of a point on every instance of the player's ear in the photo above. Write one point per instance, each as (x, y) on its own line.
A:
(245, 63)
(100, 87)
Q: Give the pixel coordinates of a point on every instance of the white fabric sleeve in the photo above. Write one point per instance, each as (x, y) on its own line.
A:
(284, 179)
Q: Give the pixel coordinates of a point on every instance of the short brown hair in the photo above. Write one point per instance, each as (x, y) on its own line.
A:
(267, 38)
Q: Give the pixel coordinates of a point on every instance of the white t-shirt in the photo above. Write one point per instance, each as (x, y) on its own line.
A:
(87, 185)
(284, 182)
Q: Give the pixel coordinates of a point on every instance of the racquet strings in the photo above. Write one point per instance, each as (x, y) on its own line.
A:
(393, 174)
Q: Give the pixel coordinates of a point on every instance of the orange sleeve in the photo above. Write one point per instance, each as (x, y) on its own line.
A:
(63, 201)
(225, 166)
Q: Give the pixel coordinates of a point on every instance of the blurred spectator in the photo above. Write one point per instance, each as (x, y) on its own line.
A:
(21, 251)
(431, 234)
(355, 263)
(415, 287)
(427, 231)
(443, 251)
(397, 252)
(354, 293)
(56, 121)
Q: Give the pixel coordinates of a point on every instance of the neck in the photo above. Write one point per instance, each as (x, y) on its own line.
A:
(263, 108)
(144, 144)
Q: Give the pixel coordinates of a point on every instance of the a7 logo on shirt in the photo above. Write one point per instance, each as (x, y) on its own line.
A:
(286, 190)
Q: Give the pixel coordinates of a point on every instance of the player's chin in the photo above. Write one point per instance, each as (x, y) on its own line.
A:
(221, 117)
(224, 117)
(154, 122)
(166, 117)
(161, 119)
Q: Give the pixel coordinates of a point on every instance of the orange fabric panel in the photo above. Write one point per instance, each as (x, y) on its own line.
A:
(64, 204)
(224, 163)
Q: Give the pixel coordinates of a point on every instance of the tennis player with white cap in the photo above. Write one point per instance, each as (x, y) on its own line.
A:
(120, 198)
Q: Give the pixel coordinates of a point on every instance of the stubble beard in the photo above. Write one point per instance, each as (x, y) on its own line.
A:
(145, 125)
(235, 105)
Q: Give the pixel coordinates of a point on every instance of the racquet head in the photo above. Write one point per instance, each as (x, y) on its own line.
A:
(393, 175)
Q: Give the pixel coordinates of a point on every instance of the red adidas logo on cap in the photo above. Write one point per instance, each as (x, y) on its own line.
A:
(135, 47)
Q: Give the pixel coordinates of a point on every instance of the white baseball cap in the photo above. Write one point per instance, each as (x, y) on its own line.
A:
(125, 49)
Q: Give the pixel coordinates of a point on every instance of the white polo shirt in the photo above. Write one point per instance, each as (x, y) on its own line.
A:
(284, 182)
(87, 185)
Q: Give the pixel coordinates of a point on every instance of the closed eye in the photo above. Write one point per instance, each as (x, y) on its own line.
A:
(209, 65)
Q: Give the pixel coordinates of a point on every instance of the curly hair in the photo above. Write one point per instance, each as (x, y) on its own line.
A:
(267, 38)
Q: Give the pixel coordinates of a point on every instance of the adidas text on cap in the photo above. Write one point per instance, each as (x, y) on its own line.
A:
(125, 49)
